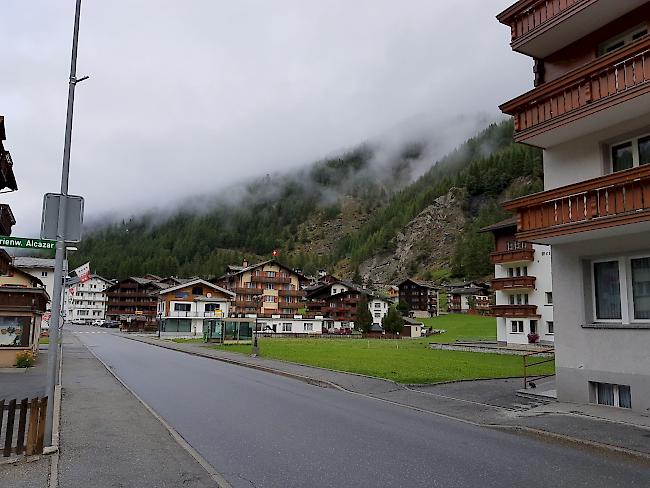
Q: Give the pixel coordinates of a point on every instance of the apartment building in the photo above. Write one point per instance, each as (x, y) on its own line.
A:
(184, 308)
(87, 301)
(589, 111)
(421, 297)
(266, 289)
(338, 302)
(522, 287)
(469, 297)
(134, 302)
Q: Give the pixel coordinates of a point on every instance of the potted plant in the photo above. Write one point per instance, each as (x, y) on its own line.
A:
(533, 338)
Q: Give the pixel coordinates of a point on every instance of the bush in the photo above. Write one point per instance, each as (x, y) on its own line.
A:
(25, 359)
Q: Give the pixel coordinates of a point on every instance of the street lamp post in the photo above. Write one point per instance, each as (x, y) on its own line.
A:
(256, 349)
(52, 359)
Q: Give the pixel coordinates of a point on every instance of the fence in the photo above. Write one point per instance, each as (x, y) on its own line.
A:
(544, 359)
(31, 417)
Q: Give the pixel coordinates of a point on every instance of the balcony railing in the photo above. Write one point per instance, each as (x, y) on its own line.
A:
(617, 199)
(291, 293)
(610, 79)
(270, 279)
(514, 254)
(247, 303)
(526, 16)
(514, 283)
(248, 291)
(292, 305)
(514, 310)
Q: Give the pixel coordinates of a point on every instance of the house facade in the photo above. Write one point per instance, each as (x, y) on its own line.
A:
(338, 302)
(86, 301)
(41, 268)
(267, 288)
(23, 301)
(522, 286)
(589, 113)
(469, 297)
(184, 308)
(134, 303)
(421, 297)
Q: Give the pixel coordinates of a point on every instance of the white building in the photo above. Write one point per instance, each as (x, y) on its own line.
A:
(589, 112)
(297, 324)
(86, 301)
(523, 288)
(41, 268)
(378, 308)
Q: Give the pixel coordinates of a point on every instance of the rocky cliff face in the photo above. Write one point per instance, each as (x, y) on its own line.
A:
(426, 243)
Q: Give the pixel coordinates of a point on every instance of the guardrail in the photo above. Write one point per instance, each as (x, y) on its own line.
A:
(528, 365)
(30, 421)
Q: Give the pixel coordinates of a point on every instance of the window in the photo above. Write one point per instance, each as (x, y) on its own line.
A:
(15, 331)
(182, 307)
(308, 327)
(43, 274)
(550, 327)
(641, 287)
(211, 307)
(286, 327)
(622, 40)
(631, 153)
(270, 274)
(612, 395)
(517, 326)
(269, 286)
(549, 298)
(197, 290)
(82, 312)
(377, 315)
(607, 290)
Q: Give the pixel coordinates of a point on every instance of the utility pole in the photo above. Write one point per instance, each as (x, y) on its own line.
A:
(53, 349)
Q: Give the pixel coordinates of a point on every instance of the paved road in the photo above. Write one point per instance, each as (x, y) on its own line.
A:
(263, 430)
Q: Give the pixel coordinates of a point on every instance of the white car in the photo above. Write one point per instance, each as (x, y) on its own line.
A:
(99, 323)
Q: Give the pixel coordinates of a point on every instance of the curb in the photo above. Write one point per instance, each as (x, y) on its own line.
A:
(637, 455)
(213, 473)
(295, 376)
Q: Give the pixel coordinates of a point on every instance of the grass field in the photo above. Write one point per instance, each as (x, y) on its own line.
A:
(404, 361)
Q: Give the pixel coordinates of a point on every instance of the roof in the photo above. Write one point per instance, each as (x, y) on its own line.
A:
(468, 290)
(423, 283)
(30, 262)
(351, 287)
(197, 281)
(504, 224)
(75, 280)
(240, 269)
(410, 321)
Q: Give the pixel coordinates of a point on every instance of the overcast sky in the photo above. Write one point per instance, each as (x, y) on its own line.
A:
(187, 96)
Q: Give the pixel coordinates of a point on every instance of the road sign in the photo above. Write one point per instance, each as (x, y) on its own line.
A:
(73, 217)
(27, 243)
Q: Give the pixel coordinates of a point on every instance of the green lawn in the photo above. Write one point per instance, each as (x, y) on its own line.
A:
(404, 361)
(462, 327)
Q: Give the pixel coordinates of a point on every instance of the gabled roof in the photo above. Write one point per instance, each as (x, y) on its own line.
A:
(240, 269)
(509, 223)
(423, 283)
(197, 281)
(75, 280)
(351, 287)
(30, 262)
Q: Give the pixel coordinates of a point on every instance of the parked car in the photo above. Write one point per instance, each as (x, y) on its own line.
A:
(98, 323)
(111, 324)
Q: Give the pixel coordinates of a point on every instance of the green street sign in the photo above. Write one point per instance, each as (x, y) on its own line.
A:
(26, 242)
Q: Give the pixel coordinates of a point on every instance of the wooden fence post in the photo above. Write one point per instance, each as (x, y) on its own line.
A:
(9, 433)
(20, 441)
(32, 430)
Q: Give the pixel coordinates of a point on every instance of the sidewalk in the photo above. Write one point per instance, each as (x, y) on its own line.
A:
(488, 403)
(109, 439)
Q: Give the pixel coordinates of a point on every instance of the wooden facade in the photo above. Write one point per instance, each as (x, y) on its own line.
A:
(421, 296)
(133, 302)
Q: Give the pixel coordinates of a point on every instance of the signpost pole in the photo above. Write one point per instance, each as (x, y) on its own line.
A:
(52, 352)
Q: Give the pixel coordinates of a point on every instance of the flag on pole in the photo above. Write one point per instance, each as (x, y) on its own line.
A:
(275, 253)
(83, 272)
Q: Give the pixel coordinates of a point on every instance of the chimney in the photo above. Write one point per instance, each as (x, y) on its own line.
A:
(245, 263)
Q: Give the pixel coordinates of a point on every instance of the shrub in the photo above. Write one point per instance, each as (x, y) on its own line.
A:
(533, 338)
(25, 359)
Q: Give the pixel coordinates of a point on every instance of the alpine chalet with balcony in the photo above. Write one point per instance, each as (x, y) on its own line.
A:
(589, 111)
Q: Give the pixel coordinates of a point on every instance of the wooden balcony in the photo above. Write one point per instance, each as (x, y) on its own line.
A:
(522, 254)
(513, 311)
(586, 92)
(617, 199)
(514, 283)
(248, 291)
(292, 305)
(270, 279)
(7, 220)
(7, 178)
(247, 304)
(541, 27)
(291, 293)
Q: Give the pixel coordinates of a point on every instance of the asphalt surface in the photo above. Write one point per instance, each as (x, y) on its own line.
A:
(262, 430)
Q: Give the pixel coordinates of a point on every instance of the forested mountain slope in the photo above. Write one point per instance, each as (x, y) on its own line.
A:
(344, 214)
